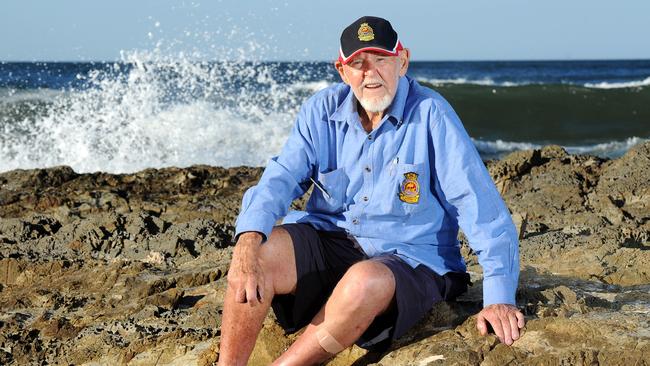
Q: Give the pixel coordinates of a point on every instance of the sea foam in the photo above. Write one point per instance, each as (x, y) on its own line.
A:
(489, 82)
(618, 85)
(160, 112)
(611, 149)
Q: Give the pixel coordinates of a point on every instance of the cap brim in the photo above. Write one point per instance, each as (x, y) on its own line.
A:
(398, 47)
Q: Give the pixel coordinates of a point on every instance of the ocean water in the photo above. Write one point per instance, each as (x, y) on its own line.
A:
(150, 111)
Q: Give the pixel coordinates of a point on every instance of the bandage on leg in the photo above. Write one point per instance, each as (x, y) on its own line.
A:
(329, 343)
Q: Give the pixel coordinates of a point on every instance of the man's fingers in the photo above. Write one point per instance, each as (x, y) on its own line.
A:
(495, 321)
(260, 293)
(520, 319)
(514, 328)
(251, 292)
(260, 286)
(480, 324)
(506, 320)
(505, 331)
(240, 295)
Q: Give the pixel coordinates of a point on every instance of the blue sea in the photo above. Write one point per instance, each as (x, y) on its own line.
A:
(145, 112)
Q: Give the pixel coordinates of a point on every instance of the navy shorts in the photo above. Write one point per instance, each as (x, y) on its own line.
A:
(323, 257)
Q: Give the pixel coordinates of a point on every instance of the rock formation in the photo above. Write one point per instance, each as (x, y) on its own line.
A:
(109, 269)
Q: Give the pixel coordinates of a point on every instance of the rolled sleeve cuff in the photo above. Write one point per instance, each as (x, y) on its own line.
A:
(259, 221)
(499, 290)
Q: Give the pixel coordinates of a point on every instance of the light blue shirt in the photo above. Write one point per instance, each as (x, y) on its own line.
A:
(365, 186)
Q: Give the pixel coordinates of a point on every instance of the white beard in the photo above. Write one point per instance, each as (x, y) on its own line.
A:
(376, 105)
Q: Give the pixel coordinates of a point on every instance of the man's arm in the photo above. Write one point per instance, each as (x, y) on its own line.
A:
(467, 192)
(283, 181)
(245, 274)
(264, 203)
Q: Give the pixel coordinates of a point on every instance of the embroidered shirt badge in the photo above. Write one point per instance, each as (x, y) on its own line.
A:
(410, 188)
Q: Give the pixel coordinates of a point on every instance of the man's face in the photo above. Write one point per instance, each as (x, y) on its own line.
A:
(374, 77)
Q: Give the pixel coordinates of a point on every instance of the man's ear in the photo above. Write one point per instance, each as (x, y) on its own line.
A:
(339, 67)
(404, 57)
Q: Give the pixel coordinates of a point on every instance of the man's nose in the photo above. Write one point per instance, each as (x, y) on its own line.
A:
(369, 67)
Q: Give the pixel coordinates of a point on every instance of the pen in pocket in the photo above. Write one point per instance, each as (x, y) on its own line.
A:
(317, 185)
(393, 165)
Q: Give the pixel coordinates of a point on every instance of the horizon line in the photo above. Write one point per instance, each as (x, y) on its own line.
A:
(331, 61)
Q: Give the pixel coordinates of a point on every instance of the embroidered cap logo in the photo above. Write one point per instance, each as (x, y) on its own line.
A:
(365, 32)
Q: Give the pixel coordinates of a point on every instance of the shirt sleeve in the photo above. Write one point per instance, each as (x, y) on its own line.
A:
(469, 195)
(283, 181)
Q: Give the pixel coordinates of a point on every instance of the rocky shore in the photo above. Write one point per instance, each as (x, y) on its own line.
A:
(104, 269)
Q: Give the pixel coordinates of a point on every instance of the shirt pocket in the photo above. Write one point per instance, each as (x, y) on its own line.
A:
(332, 201)
(408, 189)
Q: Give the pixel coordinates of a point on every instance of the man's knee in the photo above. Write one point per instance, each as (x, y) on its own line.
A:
(278, 260)
(368, 285)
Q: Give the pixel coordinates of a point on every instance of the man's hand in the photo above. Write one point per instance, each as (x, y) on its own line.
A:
(506, 320)
(245, 276)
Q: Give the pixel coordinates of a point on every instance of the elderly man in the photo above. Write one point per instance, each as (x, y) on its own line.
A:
(394, 176)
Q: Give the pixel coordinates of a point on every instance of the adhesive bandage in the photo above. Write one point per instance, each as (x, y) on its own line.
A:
(329, 343)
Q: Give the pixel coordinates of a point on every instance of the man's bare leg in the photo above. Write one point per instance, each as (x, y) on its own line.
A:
(365, 291)
(242, 321)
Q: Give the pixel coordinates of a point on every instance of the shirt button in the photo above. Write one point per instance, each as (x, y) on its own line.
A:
(355, 221)
(368, 169)
(365, 198)
(369, 137)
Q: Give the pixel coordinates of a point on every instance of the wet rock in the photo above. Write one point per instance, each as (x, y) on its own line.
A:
(37, 179)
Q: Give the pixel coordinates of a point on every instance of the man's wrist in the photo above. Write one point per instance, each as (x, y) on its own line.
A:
(251, 237)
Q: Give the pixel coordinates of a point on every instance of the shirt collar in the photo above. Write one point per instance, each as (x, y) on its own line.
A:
(396, 109)
(347, 110)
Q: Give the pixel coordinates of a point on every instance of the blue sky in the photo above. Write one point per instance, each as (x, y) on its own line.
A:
(72, 30)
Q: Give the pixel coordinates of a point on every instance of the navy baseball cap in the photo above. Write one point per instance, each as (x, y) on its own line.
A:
(368, 34)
